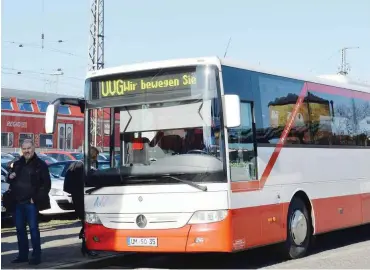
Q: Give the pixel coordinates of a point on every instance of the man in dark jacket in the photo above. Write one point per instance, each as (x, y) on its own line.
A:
(29, 186)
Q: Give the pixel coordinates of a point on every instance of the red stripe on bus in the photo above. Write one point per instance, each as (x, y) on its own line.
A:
(314, 87)
(259, 184)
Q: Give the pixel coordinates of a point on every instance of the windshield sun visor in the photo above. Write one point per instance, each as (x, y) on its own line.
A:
(196, 114)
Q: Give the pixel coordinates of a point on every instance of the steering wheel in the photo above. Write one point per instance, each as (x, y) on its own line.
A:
(197, 151)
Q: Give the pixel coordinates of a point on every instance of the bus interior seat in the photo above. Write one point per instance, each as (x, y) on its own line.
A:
(171, 144)
(198, 142)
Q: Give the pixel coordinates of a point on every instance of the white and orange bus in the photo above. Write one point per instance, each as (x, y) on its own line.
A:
(217, 156)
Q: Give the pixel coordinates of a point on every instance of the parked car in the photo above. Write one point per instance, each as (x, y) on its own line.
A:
(105, 155)
(4, 214)
(59, 169)
(117, 157)
(60, 201)
(4, 187)
(80, 156)
(4, 163)
(60, 155)
(15, 154)
(48, 159)
(5, 160)
(4, 173)
(6, 156)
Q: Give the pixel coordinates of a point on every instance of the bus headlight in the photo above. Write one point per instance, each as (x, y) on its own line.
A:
(92, 218)
(201, 217)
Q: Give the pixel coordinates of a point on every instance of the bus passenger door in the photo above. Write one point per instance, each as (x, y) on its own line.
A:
(242, 146)
(243, 175)
(261, 219)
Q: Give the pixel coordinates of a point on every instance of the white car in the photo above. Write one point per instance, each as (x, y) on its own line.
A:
(4, 184)
(4, 187)
(60, 201)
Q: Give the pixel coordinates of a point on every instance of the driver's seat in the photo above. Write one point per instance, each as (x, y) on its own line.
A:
(171, 144)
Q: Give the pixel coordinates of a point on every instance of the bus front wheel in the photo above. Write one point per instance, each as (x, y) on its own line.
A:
(299, 230)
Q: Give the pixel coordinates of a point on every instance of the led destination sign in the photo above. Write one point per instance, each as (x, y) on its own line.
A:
(137, 86)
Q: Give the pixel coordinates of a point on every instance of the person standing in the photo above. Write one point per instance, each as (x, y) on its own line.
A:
(29, 185)
(94, 157)
(74, 184)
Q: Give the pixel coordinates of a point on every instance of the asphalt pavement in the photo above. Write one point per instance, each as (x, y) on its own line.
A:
(60, 246)
(342, 249)
(346, 249)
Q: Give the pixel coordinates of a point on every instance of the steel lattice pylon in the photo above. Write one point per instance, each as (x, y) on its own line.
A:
(96, 44)
(96, 59)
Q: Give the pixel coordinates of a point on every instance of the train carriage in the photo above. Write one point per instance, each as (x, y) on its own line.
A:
(23, 116)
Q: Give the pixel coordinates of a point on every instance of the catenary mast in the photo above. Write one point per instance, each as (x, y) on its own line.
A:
(344, 67)
(96, 61)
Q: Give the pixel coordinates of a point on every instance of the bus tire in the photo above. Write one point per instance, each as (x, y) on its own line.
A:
(299, 230)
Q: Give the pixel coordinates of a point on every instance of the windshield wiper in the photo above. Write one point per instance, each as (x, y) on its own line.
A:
(190, 183)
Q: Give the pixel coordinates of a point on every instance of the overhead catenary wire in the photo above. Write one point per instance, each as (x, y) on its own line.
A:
(41, 73)
(77, 87)
(34, 45)
(43, 45)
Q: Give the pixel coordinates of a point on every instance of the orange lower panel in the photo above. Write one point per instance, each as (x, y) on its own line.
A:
(257, 226)
(263, 225)
(215, 238)
(242, 229)
(338, 212)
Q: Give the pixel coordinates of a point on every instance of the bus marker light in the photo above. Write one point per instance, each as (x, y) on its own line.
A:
(273, 219)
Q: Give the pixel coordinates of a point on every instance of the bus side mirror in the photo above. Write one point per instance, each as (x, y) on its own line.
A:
(231, 105)
(51, 117)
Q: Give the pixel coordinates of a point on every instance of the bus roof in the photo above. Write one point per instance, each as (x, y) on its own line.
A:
(154, 65)
(331, 80)
(214, 60)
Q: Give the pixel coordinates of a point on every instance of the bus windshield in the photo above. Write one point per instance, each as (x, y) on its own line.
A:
(170, 138)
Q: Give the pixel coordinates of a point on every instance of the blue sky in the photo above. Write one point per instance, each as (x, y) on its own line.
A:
(303, 37)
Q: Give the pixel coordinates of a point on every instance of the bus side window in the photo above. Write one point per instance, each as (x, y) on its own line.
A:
(241, 147)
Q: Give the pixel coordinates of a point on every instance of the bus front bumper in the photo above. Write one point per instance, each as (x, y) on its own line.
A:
(209, 237)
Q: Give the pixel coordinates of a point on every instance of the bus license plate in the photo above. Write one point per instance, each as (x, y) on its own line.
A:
(142, 242)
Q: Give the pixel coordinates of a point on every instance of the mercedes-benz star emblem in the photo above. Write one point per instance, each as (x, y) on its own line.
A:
(141, 221)
(140, 199)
